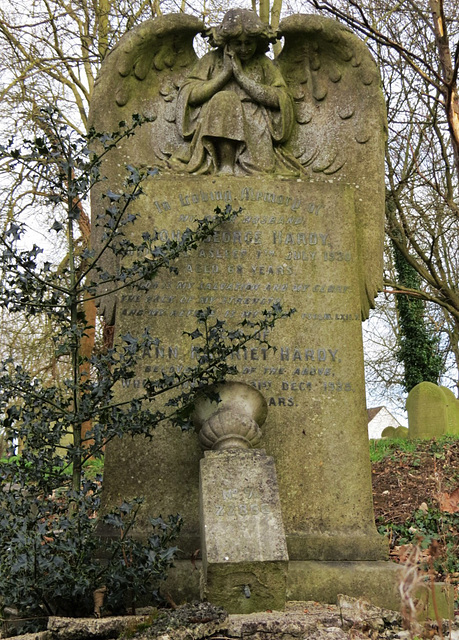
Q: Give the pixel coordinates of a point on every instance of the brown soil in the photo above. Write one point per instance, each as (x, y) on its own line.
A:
(426, 479)
(403, 481)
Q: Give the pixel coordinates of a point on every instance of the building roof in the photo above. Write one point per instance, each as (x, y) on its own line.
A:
(373, 412)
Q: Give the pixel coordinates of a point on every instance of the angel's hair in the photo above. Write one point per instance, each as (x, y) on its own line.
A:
(238, 21)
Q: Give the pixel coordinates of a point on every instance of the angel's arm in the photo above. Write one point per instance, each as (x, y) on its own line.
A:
(264, 94)
(204, 90)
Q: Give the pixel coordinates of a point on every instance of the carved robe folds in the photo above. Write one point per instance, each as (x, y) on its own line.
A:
(232, 114)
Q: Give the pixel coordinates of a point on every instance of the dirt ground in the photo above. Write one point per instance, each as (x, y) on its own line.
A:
(425, 479)
(403, 481)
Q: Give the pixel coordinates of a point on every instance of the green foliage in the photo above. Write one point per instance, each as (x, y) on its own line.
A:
(48, 503)
(432, 529)
(380, 449)
(49, 562)
(418, 347)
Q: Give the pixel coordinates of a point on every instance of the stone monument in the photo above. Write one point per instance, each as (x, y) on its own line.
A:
(298, 145)
(433, 411)
(395, 432)
(244, 552)
(452, 411)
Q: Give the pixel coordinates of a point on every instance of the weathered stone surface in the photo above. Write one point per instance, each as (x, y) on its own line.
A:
(375, 582)
(300, 149)
(427, 411)
(243, 542)
(452, 411)
(395, 432)
(351, 618)
(287, 246)
(246, 587)
(39, 635)
(190, 622)
(241, 515)
(335, 127)
(357, 612)
(77, 628)
(440, 603)
(291, 624)
(388, 432)
(233, 419)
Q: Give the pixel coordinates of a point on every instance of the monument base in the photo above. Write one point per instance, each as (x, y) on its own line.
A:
(376, 582)
(338, 547)
(246, 587)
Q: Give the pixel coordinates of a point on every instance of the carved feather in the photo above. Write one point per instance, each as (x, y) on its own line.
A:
(340, 130)
(140, 76)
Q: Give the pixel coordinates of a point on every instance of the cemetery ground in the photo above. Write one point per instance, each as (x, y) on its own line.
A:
(416, 500)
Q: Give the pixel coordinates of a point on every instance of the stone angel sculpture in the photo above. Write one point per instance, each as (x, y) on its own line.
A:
(235, 108)
(316, 112)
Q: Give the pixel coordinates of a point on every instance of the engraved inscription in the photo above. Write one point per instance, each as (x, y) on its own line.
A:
(242, 503)
(283, 248)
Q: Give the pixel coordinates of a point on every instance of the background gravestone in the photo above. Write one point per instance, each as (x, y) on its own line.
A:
(452, 411)
(395, 432)
(310, 236)
(402, 432)
(427, 411)
(388, 432)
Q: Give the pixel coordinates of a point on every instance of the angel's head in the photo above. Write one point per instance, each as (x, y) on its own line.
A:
(242, 28)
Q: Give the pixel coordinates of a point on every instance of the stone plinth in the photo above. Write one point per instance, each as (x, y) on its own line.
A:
(244, 552)
(376, 582)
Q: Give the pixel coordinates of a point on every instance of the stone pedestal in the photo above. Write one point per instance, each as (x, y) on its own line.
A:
(244, 552)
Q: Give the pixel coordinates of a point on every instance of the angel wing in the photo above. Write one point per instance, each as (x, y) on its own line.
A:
(340, 126)
(141, 75)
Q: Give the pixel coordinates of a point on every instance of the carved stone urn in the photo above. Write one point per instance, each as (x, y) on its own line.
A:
(229, 415)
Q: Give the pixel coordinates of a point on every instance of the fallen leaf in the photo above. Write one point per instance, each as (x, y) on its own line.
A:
(449, 502)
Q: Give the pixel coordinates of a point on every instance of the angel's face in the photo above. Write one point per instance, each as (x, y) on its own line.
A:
(243, 46)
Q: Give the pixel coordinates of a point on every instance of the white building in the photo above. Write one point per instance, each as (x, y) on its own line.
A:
(378, 419)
